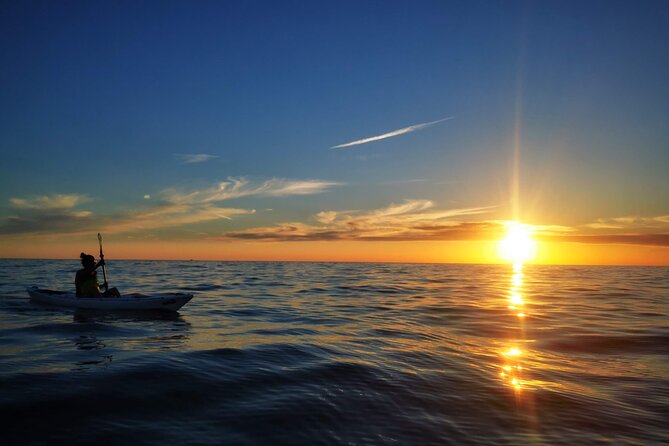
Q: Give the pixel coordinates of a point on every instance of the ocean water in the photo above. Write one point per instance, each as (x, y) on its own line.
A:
(340, 353)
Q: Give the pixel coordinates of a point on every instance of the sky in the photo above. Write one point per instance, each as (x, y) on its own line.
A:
(404, 131)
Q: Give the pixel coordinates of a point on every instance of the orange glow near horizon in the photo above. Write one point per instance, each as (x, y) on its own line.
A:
(463, 251)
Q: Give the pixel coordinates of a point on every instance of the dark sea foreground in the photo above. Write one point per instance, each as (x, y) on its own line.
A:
(323, 353)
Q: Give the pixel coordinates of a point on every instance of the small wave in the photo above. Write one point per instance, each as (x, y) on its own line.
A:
(285, 332)
(315, 290)
(84, 342)
(374, 289)
(274, 353)
(648, 344)
(205, 287)
(65, 328)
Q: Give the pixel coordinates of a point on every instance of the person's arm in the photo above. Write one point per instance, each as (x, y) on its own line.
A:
(102, 263)
(96, 266)
(104, 284)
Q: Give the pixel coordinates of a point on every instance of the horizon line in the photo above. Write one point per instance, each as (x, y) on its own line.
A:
(342, 261)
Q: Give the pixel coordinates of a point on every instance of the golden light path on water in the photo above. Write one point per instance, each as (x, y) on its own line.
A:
(512, 368)
(517, 247)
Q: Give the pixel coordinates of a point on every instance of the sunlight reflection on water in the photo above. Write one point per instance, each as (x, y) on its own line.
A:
(512, 367)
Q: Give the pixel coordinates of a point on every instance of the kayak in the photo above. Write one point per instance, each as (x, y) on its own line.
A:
(135, 301)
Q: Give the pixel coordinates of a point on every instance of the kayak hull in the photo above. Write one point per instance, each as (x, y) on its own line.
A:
(160, 301)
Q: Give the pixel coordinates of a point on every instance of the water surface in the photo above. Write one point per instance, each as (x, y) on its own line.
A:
(340, 353)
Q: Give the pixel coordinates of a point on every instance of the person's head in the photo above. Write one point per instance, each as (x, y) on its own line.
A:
(87, 260)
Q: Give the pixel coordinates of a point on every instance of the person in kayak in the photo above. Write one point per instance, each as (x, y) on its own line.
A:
(86, 280)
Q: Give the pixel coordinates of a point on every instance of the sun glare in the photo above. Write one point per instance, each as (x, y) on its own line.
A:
(518, 246)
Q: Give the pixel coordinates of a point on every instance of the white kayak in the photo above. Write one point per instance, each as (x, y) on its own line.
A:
(159, 301)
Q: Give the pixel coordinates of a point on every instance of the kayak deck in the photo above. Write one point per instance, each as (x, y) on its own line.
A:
(134, 301)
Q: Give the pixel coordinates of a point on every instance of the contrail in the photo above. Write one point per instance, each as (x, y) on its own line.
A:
(411, 128)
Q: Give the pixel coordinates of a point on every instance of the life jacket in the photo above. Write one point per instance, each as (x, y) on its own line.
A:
(89, 286)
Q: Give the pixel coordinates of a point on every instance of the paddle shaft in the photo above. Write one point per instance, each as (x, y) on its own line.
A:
(104, 269)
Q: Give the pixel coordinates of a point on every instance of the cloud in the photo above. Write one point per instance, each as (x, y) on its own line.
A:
(191, 158)
(46, 222)
(326, 217)
(44, 213)
(49, 202)
(612, 239)
(411, 220)
(551, 229)
(628, 230)
(405, 130)
(630, 222)
(419, 220)
(168, 215)
(240, 187)
(56, 214)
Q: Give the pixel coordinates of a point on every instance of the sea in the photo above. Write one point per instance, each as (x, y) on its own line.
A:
(283, 353)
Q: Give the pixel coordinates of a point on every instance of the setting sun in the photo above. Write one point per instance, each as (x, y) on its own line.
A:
(517, 246)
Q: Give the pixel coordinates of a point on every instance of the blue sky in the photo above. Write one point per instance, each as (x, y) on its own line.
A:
(107, 102)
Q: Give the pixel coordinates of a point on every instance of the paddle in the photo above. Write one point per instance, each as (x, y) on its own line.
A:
(104, 270)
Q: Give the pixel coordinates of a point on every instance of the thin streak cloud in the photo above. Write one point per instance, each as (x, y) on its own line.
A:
(403, 131)
(191, 158)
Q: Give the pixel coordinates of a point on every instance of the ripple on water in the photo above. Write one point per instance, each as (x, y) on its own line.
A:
(318, 353)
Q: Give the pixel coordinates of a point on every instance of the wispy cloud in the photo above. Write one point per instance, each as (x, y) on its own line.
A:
(627, 230)
(630, 221)
(612, 239)
(241, 187)
(49, 202)
(403, 131)
(191, 158)
(410, 220)
(57, 214)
